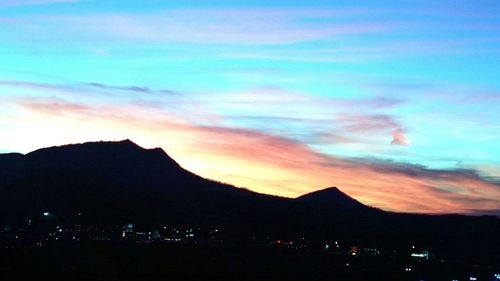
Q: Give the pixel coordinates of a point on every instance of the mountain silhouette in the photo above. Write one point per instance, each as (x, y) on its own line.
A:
(114, 181)
(120, 182)
(331, 197)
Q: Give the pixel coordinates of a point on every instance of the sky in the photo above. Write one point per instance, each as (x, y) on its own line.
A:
(396, 103)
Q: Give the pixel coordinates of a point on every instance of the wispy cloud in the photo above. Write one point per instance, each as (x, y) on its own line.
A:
(268, 162)
(308, 118)
(129, 88)
(54, 106)
(346, 35)
(312, 119)
(374, 182)
(208, 26)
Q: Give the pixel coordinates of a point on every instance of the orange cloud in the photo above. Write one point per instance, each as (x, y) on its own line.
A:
(263, 162)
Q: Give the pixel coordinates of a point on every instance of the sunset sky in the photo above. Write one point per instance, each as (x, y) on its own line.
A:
(397, 103)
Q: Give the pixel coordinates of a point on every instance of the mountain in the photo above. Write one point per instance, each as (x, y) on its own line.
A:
(331, 197)
(120, 182)
(116, 181)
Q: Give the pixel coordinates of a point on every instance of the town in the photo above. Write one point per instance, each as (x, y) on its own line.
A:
(413, 262)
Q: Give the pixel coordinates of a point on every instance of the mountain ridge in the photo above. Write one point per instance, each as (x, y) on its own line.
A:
(128, 145)
(114, 183)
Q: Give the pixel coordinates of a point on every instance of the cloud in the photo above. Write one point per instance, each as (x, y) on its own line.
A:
(308, 118)
(494, 212)
(361, 128)
(367, 122)
(344, 35)
(95, 89)
(53, 106)
(204, 26)
(30, 85)
(269, 163)
(399, 138)
(263, 138)
(129, 88)
(348, 49)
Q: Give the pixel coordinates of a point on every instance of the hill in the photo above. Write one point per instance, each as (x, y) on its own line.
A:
(119, 182)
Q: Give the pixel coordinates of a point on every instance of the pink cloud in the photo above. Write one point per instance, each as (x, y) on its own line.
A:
(277, 165)
(399, 138)
(327, 119)
(54, 106)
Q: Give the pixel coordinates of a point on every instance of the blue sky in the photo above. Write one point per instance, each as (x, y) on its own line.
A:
(409, 85)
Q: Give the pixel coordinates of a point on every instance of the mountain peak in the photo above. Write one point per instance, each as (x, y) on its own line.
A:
(331, 197)
(101, 147)
(332, 189)
(127, 142)
(123, 160)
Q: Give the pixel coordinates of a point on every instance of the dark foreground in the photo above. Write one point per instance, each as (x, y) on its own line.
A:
(97, 260)
(116, 211)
